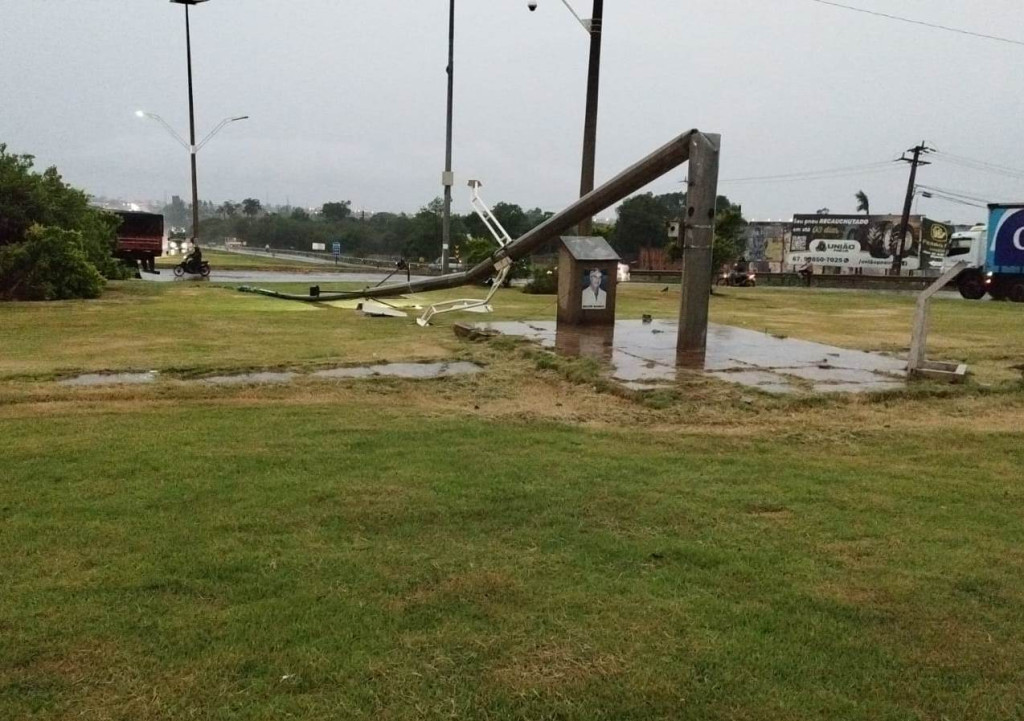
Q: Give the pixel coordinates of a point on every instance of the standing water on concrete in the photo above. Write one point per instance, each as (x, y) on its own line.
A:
(643, 356)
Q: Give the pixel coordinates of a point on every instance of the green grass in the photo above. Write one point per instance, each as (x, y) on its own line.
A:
(520, 544)
(327, 560)
(200, 326)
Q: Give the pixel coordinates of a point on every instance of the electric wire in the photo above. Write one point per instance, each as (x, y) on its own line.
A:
(980, 165)
(848, 171)
(934, 26)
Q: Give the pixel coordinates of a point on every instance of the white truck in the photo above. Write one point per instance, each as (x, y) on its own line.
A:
(994, 254)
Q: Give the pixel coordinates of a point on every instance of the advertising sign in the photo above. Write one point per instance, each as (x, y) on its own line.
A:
(319, 246)
(337, 248)
(866, 242)
(1007, 251)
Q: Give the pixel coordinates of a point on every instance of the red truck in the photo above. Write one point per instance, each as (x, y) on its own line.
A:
(140, 238)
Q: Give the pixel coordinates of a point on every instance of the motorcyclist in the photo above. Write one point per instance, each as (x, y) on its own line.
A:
(739, 271)
(194, 260)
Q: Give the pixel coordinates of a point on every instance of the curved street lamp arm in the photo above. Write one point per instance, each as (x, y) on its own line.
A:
(173, 133)
(586, 24)
(220, 126)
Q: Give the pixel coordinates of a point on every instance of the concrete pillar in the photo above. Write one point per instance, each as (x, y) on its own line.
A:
(698, 239)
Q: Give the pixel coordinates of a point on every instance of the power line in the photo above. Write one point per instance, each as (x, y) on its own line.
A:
(934, 195)
(934, 26)
(848, 171)
(981, 165)
(956, 193)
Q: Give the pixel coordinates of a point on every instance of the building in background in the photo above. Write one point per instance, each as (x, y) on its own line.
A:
(765, 245)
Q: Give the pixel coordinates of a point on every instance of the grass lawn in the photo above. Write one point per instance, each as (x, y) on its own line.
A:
(512, 545)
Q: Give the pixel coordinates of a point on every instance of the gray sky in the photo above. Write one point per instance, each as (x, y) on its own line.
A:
(347, 98)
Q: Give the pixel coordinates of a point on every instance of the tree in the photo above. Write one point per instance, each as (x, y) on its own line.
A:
(28, 198)
(176, 213)
(729, 229)
(50, 264)
(863, 205)
(251, 207)
(642, 224)
(299, 214)
(337, 212)
(227, 209)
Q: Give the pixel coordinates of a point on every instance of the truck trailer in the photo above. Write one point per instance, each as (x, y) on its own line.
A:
(994, 253)
(140, 238)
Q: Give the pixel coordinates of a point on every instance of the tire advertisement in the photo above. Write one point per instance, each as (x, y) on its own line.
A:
(866, 243)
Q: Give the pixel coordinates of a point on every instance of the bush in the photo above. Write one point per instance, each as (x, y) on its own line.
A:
(543, 281)
(50, 265)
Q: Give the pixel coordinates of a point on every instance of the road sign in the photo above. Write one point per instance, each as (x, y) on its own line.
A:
(337, 248)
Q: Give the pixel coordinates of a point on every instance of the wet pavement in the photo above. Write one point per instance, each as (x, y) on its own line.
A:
(415, 371)
(643, 357)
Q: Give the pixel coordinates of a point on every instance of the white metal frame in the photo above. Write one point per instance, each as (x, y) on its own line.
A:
(503, 266)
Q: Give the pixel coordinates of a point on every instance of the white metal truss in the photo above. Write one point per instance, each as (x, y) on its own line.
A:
(503, 266)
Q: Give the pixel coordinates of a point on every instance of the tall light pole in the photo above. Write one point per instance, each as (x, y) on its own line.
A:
(191, 115)
(594, 27)
(590, 121)
(447, 179)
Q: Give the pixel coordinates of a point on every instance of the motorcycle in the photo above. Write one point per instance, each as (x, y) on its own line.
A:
(737, 280)
(190, 267)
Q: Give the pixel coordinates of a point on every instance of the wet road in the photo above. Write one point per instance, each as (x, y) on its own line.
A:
(271, 276)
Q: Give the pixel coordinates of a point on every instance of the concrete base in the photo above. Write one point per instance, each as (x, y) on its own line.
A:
(938, 371)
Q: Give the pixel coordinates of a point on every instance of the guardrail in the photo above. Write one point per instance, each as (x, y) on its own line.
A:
(375, 263)
(861, 282)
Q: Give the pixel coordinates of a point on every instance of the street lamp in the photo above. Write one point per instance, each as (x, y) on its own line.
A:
(193, 150)
(593, 28)
(191, 115)
(447, 179)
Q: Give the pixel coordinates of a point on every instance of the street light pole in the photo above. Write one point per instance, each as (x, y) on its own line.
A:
(192, 131)
(448, 179)
(590, 120)
(191, 115)
(594, 28)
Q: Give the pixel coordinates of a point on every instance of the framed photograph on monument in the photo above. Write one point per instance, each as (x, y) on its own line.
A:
(595, 289)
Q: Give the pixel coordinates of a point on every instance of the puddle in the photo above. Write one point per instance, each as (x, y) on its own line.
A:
(403, 370)
(110, 379)
(643, 354)
(385, 370)
(253, 378)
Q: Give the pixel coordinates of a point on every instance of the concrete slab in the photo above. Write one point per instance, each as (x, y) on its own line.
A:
(643, 354)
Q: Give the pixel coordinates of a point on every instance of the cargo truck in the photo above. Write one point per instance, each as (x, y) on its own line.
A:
(994, 254)
(140, 239)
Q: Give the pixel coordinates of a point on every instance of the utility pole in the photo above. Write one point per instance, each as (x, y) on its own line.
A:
(448, 179)
(915, 161)
(596, 24)
(192, 130)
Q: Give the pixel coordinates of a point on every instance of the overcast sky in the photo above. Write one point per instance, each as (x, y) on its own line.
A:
(347, 98)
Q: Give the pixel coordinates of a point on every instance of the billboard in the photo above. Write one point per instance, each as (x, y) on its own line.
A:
(766, 242)
(866, 243)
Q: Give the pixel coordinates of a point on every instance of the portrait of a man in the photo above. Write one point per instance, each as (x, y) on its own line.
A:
(595, 294)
